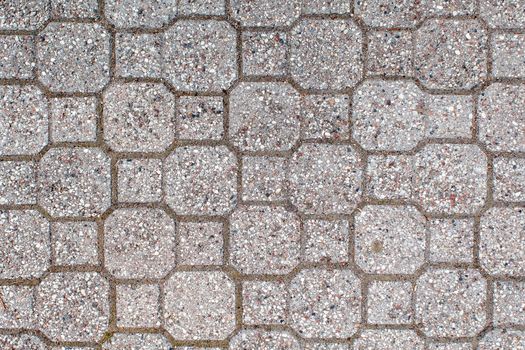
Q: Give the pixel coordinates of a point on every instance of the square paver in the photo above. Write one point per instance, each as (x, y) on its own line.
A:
(200, 243)
(139, 180)
(138, 305)
(74, 119)
(75, 242)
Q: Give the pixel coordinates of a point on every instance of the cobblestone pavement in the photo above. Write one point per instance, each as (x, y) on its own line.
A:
(262, 174)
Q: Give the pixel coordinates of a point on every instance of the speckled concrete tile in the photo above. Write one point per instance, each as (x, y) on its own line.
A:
(262, 174)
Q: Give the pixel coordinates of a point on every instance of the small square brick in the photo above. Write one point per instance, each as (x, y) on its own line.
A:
(202, 7)
(508, 55)
(138, 305)
(16, 307)
(324, 117)
(326, 241)
(75, 242)
(390, 177)
(509, 303)
(139, 180)
(74, 8)
(17, 56)
(509, 179)
(447, 116)
(389, 302)
(200, 243)
(17, 183)
(264, 302)
(390, 53)
(264, 53)
(74, 119)
(200, 118)
(263, 178)
(138, 55)
(451, 240)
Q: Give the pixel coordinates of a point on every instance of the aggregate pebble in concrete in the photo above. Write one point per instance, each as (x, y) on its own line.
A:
(509, 179)
(18, 308)
(451, 240)
(200, 118)
(390, 53)
(138, 305)
(17, 182)
(74, 8)
(21, 342)
(509, 303)
(385, 339)
(390, 302)
(200, 243)
(260, 13)
(325, 117)
(507, 49)
(138, 55)
(502, 339)
(140, 13)
(264, 178)
(263, 340)
(264, 302)
(139, 180)
(264, 53)
(73, 119)
(326, 241)
(75, 242)
(26, 15)
(137, 341)
(17, 56)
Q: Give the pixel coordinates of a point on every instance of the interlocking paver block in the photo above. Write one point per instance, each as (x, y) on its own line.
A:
(447, 116)
(390, 177)
(264, 302)
(326, 6)
(264, 340)
(17, 56)
(137, 341)
(17, 182)
(372, 339)
(75, 242)
(260, 13)
(138, 305)
(140, 13)
(429, 8)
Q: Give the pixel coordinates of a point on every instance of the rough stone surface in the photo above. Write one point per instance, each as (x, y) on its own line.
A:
(386, 339)
(264, 178)
(202, 7)
(257, 13)
(138, 55)
(324, 117)
(502, 339)
(200, 118)
(502, 14)
(17, 182)
(18, 308)
(387, 13)
(509, 179)
(390, 177)
(506, 52)
(264, 53)
(326, 241)
(74, 8)
(451, 240)
(390, 53)
(26, 15)
(21, 342)
(508, 303)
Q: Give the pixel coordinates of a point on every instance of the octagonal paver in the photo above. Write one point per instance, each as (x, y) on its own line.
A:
(501, 116)
(23, 120)
(137, 341)
(200, 55)
(451, 302)
(21, 342)
(73, 306)
(139, 243)
(73, 57)
(451, 54)
(140, 13)
(253, 339)
(325, 303)
(325, 179)
(138, 117)
(385, 339)
(74, 182)
(199, 305)
(264, 116)
(25, 244)
(326, 54)
(188, 172)
(23, 15)
(261, 13)
(502, 241)
(264, 240)
(450, 178)
(390, 239)
(386, 115)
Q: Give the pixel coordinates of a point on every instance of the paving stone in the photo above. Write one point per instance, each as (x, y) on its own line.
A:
(138, 306)
(21, 342)
(187, 172)
(73, 306)
(386, 115)
(451, 302)
(325, 179)
(501, 241)
(451, 240)
(429, 8)
(390, 302)
(26, 15)
(387, 13)
(200, 55)
(509, 179)
(264, 53)
(139, 243)
(73, 57)
(449, 346)
(200, 243)
(325, 117)
(139, 180)
(390, 53)
(17, 183)
(17, 307)
(389, 239)
(200, 118)
(137, 341)
(75, 242)
(17, 56)
(390, 176)
(264, 116)
(326, 54)
(509, 303)
(326, 346)
(326, 7)
(447, 116)
(140, 13)
(73, 119)
(264, 178)
(260, 13)
(138, 55)
(199, 305)
(202, 7)
(501, 112)
(451, 54)
(24, 120)
(195, 348)
(385, 339)
(138, 117)
(264, 240)
(74, 8)
(507, 49)
(451, 178)
(264, 302)
(253, 339)
(502, 14)
(326, 241)
(502, 339)
(24, 244)
(325, 303)
(74, 182)
(72, 348)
